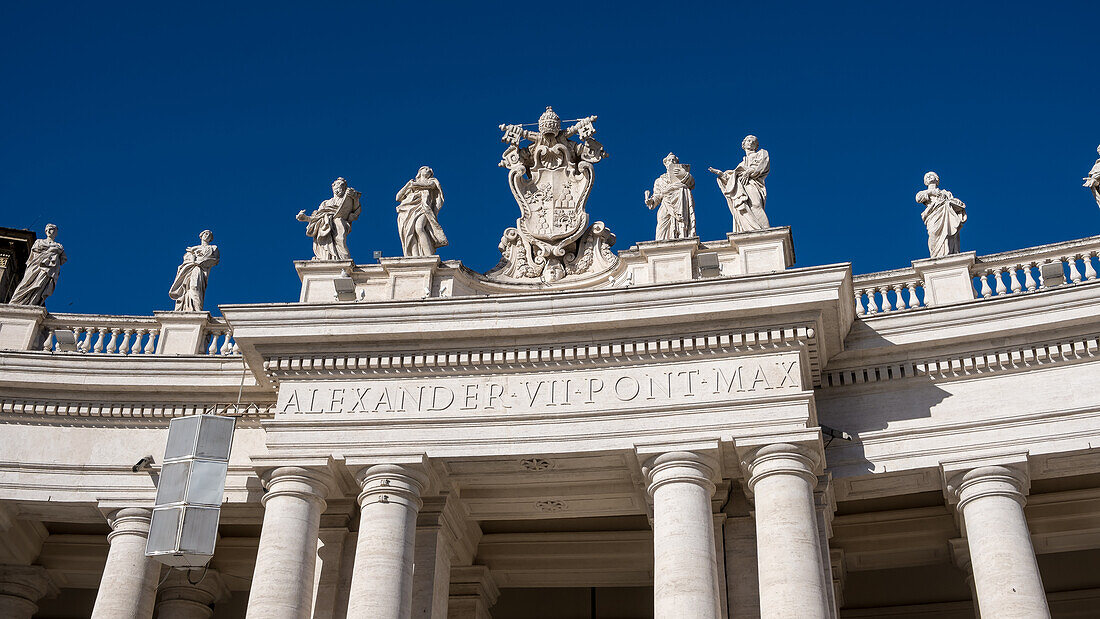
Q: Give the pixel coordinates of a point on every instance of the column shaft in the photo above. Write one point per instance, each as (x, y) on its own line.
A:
(282, 583)
(382, 577)
(685, 574)
(1006, 575)
(790, 564)
(128, 588)
(742, 583)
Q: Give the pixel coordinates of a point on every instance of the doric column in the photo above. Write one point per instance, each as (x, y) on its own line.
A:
(990, 502)
(742, 584)
(685, 574)
(782, 479)
(21, 586)
(472, 593)
(282, 583)
(330, 558)
(825, 506)
(190, 594)
(382, 577)
(128, 588)
(432, 576)
(960, 552)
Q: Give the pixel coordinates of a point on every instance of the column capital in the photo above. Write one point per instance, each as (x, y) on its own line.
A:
(27, 584)
(1006, 475)
(960, 554)
(129, 521)
(693, 467)
(185, 588)
(474, 581)
(310, 483)
(781, 459)
(392, 483)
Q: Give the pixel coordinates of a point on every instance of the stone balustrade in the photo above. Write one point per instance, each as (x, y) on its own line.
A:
(1023, 270)
(164, 333)
(994, 275)
(888, 291)
(112, 335)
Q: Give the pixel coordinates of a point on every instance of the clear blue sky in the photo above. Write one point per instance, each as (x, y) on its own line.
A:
(135, 127)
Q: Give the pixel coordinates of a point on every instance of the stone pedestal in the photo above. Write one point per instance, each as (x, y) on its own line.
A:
(946, 280)
(190, 594)
(410, 278)
(382, 580)
(782, 478)
(21, 326)
(282, 584)
(668, 261)
(472, 593)
(21, 586)
(763, 251)
(318, 276)
(685, 573)
(182, 333)
(989, 498)
(129, 584)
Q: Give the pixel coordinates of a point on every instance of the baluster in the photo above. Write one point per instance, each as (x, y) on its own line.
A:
(112, 346)
(213, 349)
(860, 310)
(101, 339)
(1001, 288)
(76, 334)
(913, 300)
(47, 344)
(124, 345)
(1090, 272)
(227, 344)
(138, 334)
(1029, 280)
(1074, 274)
(1013, 279)
(151, 344)
(900, 302)
(885, 291)
(986, 291)
(872, 306)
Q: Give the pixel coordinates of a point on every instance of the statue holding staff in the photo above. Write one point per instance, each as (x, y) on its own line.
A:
(418, 215)
(672, 193)
(943, 215)
(43, 269)
(330, 224)
(744, 187)
(189, 288)
(1092, 181)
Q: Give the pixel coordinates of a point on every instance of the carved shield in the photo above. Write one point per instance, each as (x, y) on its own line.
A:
(552, 201)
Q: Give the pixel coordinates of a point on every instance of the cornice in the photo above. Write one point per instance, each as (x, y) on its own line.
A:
(425, 360)
(84, 372)
(137, 413)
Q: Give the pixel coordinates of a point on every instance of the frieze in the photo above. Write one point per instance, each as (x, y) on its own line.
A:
(709, 381)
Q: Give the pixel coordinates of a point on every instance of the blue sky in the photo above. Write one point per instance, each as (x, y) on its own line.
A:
(134, 127)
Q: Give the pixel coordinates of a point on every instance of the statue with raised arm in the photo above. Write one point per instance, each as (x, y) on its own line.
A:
(1092, 181)
(672, 193)
(189, 288)
(943, 215)
(43, 269)
(330, 224)
(418, 215)
(744, 187)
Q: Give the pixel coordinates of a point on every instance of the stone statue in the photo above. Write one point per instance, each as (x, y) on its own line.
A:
(1092, 181)
(672, 193)
(943, 215)
(189, 287)
(418, 215)
(43, 269)
(744, 187)
(550, 178)
(330, 224)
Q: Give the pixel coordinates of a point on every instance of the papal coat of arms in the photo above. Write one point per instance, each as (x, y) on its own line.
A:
(551, 177)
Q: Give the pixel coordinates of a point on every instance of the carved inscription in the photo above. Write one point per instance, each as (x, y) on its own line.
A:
(581, 389)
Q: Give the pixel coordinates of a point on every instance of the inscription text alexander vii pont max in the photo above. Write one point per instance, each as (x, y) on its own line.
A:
(531, 392)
